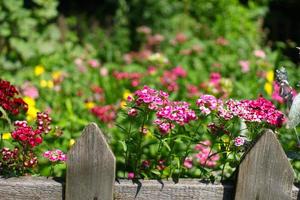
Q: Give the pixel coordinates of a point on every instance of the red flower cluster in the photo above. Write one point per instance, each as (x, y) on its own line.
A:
(256, 111)
(105, 113)
(133, 77)
(8, 155)
(8, 101)
(26, 134)
(43, 122)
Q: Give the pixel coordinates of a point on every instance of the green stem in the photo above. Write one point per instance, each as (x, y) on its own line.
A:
(126, 151)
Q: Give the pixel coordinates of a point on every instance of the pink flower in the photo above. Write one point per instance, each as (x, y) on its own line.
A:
(146, 163)
(188, 162)
(215, 78)
(245, 65)
(105, 113)
(222, 41)
(239, 141)
(179, 71)
(30, 91)
(152, 70)
(130, 175)
(208, 103)
(260, 53)
(93, 63)
(132, 112)
(206, 157)
(55, 156)
(103, 71)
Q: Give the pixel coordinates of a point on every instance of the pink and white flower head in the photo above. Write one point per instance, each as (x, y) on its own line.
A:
(260, 53)
(188, 162)
(239, 141)
(132, 112)
(55, 156)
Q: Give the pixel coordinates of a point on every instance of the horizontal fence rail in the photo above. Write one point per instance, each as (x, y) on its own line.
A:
(264, 173)
(32, 188)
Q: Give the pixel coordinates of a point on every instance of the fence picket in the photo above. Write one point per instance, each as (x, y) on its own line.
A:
(265, 172)
(90, 167)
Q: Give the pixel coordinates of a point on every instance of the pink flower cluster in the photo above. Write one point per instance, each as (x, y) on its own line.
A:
(177, 111)
(259, 110)
(55, 155)
(206, 157)
(106, 114)
(153, 98)
(170, 77)
(167, 112)
(208, 103)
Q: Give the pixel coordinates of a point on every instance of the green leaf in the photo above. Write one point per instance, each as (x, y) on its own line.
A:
(123, 145)
(166, 145)
(155, 171)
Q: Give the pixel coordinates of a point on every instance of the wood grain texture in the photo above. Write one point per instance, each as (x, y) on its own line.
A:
(34, 188)
(183, 190)
(265, 172)
(30, 188)
(90, 167)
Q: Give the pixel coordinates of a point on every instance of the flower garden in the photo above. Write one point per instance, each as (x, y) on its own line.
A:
(184, 98)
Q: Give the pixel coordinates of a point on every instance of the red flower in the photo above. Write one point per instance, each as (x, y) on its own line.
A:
(8, 101)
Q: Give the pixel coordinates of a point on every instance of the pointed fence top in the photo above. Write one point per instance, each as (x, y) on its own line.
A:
(90, 167)
(265, 172)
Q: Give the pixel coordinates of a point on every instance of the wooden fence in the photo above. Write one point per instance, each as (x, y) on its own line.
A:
(265, 173)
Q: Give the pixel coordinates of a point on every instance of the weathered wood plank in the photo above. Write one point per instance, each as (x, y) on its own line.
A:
(265, 172)
(90, 167)
(184, 189)
(28, 188)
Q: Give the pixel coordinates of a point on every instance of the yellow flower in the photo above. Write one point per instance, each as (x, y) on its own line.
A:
(268, 88)
(30, 101)
(50, 84)
(43, 83)
(89, 105)
(56, 75)
(123, 104)
(71, 142)
(126, 94)
(31, 113)
(270, 76)
(6, 136)
(32, 110)
(39, 70)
